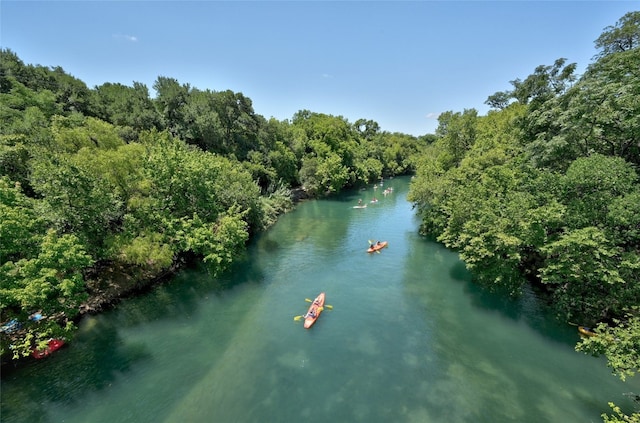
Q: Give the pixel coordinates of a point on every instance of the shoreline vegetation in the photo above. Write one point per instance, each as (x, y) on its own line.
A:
(105, 191)
(109, 284)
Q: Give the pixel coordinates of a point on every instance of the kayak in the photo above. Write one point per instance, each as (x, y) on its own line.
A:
(586, 331)
(314, 311)
(377, 246)
(54, 345)
(360, 207)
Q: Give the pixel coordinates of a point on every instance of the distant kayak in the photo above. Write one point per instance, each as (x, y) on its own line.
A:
(377, 246)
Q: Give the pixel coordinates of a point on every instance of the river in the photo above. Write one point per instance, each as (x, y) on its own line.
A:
(409, 339)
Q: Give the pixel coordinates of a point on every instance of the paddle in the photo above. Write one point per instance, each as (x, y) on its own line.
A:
(298, 318)
(330, 307)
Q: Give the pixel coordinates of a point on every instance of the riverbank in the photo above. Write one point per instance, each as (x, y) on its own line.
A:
(108, 284)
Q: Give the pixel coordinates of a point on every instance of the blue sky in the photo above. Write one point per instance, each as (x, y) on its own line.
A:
(399, 63)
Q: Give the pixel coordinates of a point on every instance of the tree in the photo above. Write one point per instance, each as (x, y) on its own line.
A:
(458, 133)
(76, 199)
(602, 111)
(591, 184)
(171, 98)
(125, 106)
(545, 83)
(623, 36)
(599, 114)
(368, 129)
(590, 276)
(623, 220)
(19, 222)
(239, 123)
(205, 128)
(50, 282)
(71, 92)
(329, 155)
(620, 344)
(499, 100)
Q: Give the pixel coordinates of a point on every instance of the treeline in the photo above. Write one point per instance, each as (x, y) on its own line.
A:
(544, 190)
(109, 186)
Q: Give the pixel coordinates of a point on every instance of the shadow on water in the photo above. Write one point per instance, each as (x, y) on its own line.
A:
(97, 357)
(529, 306)
(87, 357)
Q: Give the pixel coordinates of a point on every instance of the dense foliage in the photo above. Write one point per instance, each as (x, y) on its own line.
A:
(545, 190)
(107, 186)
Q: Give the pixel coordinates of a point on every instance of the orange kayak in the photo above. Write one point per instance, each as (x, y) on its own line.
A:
(377, 246)
(314, 311)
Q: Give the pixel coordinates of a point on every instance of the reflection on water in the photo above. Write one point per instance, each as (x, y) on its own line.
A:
(410, 339)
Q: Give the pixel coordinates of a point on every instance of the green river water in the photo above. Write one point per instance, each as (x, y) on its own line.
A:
(409, 339)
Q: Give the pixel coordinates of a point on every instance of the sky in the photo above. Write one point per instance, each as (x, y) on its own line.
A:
(398, 63)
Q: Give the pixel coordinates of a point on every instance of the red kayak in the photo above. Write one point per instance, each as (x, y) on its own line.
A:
(314, 311)
(377, 246)
(54, 345)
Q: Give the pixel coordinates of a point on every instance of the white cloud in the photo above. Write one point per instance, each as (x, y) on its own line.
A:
(131, 38)
(432, 115)
(326, 75)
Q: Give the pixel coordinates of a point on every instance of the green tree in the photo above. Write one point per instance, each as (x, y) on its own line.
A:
(19, 222)
(623, 36)
(591, 184)
(308, 176)
(125, 106)
(458, 133)
(182, 201)
(545, 83)
(602, 110)
(204, 128)
(599, 114)
(50, 282)
(589, 275)
(71, 92)
(239, 122)
(620, 343)
(329, 155)
(332, 174)
(171, 98)
(623, 220)
(367, 128)
(75, 198)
